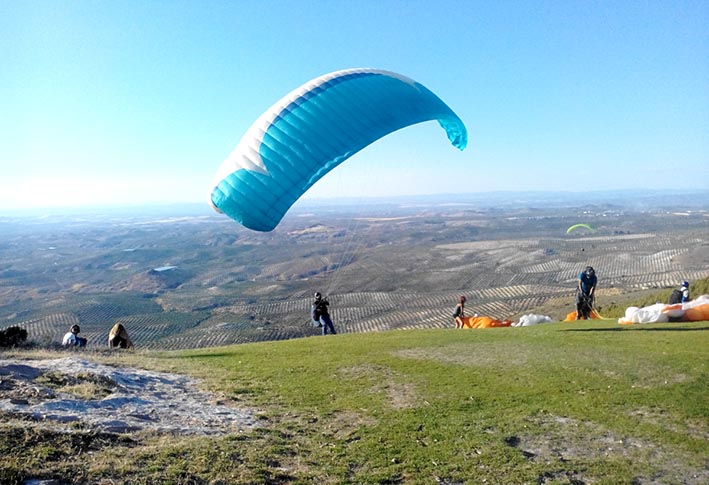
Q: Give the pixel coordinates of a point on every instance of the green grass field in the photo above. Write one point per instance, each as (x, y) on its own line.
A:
(555, 403)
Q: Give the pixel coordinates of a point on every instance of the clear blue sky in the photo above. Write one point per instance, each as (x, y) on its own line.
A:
(139, 102)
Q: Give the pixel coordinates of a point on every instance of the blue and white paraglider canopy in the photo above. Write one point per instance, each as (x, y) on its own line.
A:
(314, 129)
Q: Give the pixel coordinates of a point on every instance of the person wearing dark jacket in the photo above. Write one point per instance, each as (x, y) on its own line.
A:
(585, 289)
(681, 295)
(321, 314)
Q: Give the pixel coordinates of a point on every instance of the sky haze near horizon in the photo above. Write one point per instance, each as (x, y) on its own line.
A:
(139, 102)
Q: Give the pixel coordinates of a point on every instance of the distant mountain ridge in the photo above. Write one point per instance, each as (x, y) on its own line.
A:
(640, 199)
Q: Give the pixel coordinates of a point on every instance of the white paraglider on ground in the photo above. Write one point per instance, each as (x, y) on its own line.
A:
(696, 310)
(532, 319)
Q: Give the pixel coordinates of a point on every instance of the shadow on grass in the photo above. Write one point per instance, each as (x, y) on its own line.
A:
(204, 355)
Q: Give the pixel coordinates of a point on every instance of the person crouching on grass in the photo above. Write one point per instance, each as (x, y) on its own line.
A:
(118, 337)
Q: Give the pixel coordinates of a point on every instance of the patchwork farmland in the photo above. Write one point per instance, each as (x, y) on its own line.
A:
(198, 280)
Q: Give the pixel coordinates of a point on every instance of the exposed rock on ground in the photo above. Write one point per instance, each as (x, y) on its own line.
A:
(70, 393)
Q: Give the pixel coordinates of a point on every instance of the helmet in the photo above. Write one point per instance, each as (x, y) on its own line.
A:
(317, 295)
(685, 284)
(590, 271)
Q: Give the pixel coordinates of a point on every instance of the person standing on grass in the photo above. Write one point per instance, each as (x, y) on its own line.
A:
(459, 313)
(321, 314)
(585, 289)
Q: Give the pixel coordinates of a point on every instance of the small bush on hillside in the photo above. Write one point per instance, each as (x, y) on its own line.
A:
(699, 287)
(12, 337)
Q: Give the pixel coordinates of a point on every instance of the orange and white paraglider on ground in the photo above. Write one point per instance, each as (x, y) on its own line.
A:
(696, 310)
(571, 317)
(484, 322)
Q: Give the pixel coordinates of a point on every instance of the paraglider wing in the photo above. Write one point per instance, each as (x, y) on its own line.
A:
(314, 129)
(578, 226)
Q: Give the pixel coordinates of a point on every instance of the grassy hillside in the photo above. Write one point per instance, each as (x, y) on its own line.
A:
(555, 403)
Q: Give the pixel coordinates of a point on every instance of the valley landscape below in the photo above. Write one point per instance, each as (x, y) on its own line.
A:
(184, 277)
(229, 382)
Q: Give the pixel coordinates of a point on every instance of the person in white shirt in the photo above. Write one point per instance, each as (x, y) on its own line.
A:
(72, 337)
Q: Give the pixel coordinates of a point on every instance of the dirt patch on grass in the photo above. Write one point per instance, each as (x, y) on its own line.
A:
(399, 394)
(613, 365)
(345, 425)
(482, 355)
(71, 393)
(563, 439)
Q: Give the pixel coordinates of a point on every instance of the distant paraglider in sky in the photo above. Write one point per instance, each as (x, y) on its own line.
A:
(577, 227)
(314, 129)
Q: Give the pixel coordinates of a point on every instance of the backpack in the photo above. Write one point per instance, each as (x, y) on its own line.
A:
(675, 297)
(315, 316)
